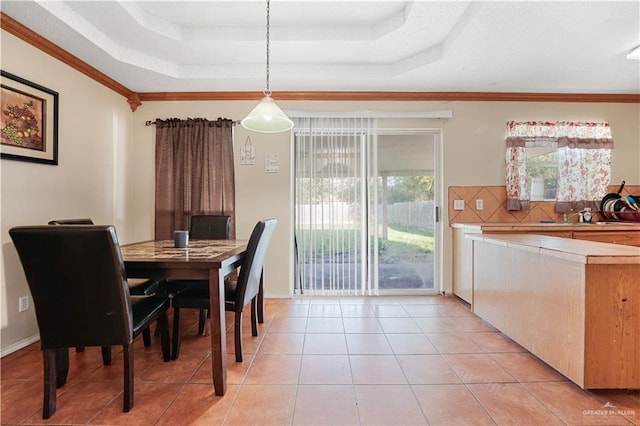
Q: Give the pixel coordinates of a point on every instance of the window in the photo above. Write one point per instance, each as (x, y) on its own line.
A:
(542, 172)
(569, 162)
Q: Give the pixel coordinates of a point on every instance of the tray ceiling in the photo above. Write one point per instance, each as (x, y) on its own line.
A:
(460, 46)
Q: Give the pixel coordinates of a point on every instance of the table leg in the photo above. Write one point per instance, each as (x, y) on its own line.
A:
(218, 334)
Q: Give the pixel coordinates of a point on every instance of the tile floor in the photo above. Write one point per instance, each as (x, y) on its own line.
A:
(326, 361)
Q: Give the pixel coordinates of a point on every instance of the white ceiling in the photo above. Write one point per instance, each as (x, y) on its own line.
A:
(460, 46)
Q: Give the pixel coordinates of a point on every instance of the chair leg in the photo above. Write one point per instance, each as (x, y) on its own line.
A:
(106, 355)
(261, 299)
(163, 325)
(202, 319)
(238, 336)
(50, 367)
(254, 316)
(62, 366)
(127, 355)
(176, 334)
(146, 337)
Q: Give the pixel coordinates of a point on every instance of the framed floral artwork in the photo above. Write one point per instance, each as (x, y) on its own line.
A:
(28, 121)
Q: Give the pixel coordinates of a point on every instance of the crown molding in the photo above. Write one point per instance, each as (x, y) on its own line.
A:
(135, 99)
(392, 96)
(14, 27)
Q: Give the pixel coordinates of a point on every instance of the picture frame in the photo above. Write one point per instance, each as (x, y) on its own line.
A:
(28, 121)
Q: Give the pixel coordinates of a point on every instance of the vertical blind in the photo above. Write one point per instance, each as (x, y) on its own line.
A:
(334, 188)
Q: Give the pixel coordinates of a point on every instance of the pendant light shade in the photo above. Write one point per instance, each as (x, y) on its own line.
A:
(267, 117)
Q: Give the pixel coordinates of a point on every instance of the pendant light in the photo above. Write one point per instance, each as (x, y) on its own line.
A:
(267, 117)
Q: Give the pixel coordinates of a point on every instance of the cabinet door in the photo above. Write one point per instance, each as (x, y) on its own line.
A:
(629, 238)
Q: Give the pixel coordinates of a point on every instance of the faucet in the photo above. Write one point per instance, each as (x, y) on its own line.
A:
(580, 214)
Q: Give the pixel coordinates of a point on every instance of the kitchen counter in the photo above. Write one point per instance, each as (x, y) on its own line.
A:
(574, 304)
(586, 252)
(542, 226)
(619, 233)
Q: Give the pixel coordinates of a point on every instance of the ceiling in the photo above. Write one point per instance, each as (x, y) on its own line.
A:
(348, 45)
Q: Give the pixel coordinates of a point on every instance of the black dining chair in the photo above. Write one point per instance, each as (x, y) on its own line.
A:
(137, 287)
(237, 293)
(78, 282)
(203, 227)
(210, 227)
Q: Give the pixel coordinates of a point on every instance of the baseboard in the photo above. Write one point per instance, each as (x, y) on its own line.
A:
(277, 296)
(19, 345)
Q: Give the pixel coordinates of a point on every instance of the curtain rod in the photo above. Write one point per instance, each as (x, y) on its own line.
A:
(153, 122)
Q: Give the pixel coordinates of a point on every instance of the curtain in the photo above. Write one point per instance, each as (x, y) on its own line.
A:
(194, 172)
(584, 175)
(334, 194)
(517, 188)
(584, 161)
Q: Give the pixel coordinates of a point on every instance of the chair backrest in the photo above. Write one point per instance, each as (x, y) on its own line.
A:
(251, 268)
(77, 280)
(81, 221)
(210, 227)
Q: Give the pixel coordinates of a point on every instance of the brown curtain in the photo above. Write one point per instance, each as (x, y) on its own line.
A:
(194, 172)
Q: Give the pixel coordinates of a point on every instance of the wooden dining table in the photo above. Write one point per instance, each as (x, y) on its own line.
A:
(203, 259)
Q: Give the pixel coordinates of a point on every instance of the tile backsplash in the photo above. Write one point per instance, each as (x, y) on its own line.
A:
(494, 205)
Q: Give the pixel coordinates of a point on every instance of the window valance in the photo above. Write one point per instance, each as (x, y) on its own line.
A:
(585, 135)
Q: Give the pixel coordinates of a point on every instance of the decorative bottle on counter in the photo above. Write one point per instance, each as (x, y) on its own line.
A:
(587, 214)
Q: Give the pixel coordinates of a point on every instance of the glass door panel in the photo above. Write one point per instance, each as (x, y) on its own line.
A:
(405, 226)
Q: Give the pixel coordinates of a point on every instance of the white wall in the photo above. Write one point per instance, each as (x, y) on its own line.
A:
(91, 180)
(107, 154)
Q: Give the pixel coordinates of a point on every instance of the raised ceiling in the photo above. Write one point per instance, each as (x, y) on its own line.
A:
(410, 46)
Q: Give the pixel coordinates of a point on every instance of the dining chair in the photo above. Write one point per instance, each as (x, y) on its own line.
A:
(78, 282)
(210, 227)
(137, 287)
(237, 293)
(203, 227)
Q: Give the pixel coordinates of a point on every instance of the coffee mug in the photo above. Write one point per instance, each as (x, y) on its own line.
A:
(180, 239)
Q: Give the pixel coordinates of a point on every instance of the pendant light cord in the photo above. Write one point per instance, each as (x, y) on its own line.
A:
(268, 91)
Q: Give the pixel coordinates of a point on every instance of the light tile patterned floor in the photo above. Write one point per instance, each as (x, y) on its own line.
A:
(326, 361)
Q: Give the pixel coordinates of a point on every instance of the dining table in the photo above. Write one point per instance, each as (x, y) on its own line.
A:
(211, 260)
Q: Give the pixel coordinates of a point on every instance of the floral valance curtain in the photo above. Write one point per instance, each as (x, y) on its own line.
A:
(584, 161)
(194, 172)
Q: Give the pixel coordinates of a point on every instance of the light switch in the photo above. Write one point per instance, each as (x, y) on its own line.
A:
(479, 204)
(458, 204)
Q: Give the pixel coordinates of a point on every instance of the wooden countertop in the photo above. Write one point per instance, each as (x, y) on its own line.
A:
(537, 226)
(588, 252)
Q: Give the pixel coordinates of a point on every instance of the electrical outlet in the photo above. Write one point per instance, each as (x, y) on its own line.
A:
(23, 303)
(458, 204)
(479, 204)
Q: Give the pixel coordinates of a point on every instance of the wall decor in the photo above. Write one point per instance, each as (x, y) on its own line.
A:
(28, 121)
(248, 153)
(271, 163)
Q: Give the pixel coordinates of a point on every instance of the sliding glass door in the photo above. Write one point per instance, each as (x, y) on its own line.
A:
(364, 208)
(405, 221)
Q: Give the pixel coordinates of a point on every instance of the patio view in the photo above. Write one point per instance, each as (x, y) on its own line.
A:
(332, 257)
(364, 209)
